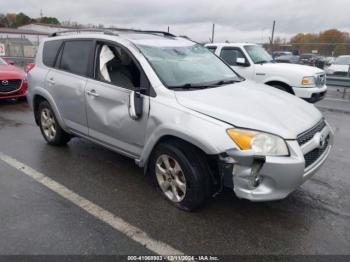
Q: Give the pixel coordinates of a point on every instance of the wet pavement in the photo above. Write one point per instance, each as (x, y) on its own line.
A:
(315, 219)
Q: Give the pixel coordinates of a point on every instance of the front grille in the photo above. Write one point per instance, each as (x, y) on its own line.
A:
(8, 86)
(315, 154)
(340, 73)
(320, 80)
(308, 135)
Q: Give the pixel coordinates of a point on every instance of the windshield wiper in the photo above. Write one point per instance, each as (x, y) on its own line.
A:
(262, 62)
(203, 86)
(223, 82)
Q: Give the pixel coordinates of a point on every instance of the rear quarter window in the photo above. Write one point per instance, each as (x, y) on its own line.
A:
(50, 51)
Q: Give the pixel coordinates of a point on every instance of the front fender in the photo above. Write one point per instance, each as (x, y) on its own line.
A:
(209, 135)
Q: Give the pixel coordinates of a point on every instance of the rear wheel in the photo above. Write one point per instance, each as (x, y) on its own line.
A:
(50, 128)
(181, 175)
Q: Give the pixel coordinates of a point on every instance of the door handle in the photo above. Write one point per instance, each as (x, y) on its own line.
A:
(51, 81)
(92, 92)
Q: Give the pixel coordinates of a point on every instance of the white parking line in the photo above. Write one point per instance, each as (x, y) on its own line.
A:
(117, 223)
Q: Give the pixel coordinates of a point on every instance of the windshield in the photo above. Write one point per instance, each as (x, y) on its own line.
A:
(188, 66)
(2, 62)
(342, 60)
(258, 54)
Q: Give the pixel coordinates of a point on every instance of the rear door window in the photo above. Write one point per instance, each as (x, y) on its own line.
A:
(50, 51)
(76, 56)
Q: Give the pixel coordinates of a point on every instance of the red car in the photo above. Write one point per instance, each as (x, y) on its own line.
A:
(13, 82)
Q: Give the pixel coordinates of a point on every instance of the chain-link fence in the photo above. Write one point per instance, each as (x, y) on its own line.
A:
(322, 49)
(21, 48)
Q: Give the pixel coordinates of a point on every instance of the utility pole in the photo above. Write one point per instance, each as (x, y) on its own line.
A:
(213, 33)
(168, 29)
(273, 33)
(41, 13)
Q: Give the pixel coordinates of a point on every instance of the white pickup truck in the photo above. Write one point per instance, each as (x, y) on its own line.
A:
(253, 62)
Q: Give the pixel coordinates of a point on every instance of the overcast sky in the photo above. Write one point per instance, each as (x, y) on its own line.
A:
(236, 20)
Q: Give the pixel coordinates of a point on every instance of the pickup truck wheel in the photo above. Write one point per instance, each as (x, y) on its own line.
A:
(49, 126)
(180, 175)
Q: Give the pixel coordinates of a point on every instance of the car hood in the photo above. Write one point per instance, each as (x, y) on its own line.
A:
(11, 72)
(339, 68)
(290, 68)
(253, 106)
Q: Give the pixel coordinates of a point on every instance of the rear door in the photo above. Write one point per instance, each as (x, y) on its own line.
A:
(67, 82)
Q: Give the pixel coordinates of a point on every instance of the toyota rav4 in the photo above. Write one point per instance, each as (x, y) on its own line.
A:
(179, 111)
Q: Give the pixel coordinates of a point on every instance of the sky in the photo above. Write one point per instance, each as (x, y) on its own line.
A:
(235, 20)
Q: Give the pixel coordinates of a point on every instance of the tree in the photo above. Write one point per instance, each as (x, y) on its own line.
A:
(48, 20)
(328, 42)
(3, 21)
(22, 19)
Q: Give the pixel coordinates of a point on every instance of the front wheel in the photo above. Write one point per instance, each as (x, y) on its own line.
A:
(180, 173)
(49, 126)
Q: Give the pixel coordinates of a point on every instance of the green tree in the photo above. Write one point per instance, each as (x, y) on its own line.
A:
(48, 20)
(3, 21)
(16, 20)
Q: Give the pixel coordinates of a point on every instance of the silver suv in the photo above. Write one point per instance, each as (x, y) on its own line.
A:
(182, 113)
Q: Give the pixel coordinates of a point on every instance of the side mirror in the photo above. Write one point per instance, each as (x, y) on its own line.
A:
(135, 105)
(241, 61)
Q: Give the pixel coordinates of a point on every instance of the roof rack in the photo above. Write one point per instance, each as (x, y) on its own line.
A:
(80, 30)
(111, 31)
(141, 31)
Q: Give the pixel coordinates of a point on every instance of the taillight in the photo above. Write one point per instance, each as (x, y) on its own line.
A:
(29, 67)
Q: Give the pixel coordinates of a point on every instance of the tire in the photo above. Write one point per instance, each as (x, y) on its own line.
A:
(49, 126)
(192, 184)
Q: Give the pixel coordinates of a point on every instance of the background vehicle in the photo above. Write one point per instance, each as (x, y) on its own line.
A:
(308, 59)
(13, 82)
(292, 59)
(253, 62)
(179, 111)
(276, 54)
(340, 66)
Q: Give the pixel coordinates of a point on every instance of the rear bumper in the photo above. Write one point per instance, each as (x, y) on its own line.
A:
(275, 177)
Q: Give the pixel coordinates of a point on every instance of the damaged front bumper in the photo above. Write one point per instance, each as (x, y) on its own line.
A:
(264, 178)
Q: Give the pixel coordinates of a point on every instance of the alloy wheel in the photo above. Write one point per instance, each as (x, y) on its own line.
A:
(171, 178)
(48, 124)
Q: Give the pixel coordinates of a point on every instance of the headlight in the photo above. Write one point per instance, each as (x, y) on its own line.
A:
(308, 80)
(258, 142)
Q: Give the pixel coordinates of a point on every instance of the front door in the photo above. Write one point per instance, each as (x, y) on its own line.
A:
(238, 61)
(107, 100)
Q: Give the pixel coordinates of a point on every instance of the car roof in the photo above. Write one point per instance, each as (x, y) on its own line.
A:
(229, 44)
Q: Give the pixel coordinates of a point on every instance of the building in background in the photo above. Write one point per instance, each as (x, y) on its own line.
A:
(20, 45)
